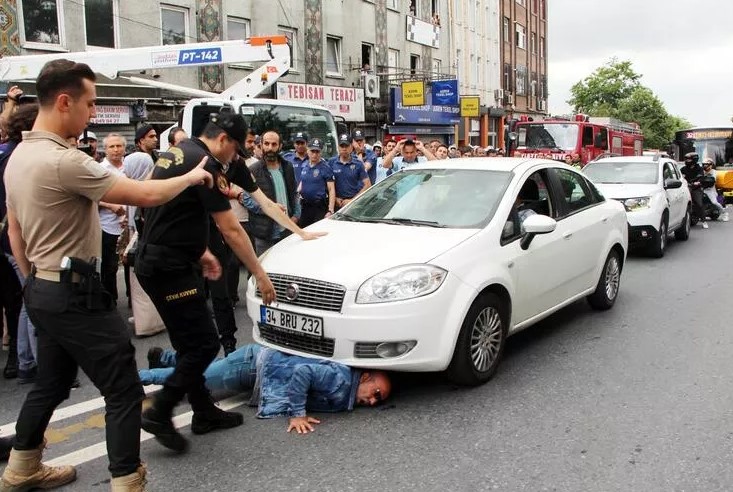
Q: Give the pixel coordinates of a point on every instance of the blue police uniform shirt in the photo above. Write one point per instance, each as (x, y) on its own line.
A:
(313, 181)
(297, 163)
(371, 158)
(349, 177)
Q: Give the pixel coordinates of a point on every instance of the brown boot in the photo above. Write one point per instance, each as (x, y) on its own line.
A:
(134, 482)
(26, 472)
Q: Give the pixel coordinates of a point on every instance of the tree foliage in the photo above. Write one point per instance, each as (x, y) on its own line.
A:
(615, 90)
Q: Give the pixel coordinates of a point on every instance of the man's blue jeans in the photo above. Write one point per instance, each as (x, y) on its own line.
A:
(235, 372)
(27, 340)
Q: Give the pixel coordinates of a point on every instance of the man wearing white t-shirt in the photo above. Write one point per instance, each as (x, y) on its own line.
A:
(110, 214)
(407, 150)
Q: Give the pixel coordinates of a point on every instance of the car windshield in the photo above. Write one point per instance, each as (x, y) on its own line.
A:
(622, 172)
(555, 136)
(455, 198)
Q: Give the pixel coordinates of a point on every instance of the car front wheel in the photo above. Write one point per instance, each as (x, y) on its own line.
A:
(657, 248)
(604, 297)
(683, 232)
(481, 341)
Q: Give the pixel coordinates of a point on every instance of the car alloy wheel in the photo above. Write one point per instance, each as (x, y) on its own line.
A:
(486, 338)
(609, 282)
(612, 277)
(480, 344)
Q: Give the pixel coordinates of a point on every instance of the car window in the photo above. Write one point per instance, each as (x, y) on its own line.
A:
(532, 197)
(668, 172)
(587, 136)
(574, 191)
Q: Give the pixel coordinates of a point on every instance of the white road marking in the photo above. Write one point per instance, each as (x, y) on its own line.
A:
(99, 450)
(73, 410)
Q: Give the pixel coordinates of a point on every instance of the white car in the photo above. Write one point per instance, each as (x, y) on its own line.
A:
(432, 268)
(655, 195)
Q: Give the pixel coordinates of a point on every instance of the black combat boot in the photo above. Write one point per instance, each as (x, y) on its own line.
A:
(158, 419)
(208, 417)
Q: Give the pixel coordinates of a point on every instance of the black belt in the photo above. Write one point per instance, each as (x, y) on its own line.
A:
(322, 201)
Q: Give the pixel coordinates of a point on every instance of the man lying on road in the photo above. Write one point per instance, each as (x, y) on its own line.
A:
(284, 385)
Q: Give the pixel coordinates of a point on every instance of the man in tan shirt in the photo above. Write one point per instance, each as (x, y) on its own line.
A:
(53, 194)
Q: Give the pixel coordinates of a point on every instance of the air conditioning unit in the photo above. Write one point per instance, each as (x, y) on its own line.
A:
(371, 86)
(508, 98)
(542, 106)
(499, 95)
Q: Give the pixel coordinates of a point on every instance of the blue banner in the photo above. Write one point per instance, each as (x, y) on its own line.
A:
(429, 114)
(445, 92)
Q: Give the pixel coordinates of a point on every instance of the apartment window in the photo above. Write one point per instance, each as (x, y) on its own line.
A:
(174, 24)
(507, 34)
(508, 86)
(392, 4)
(457, 4)
(542, 46)
(42, 22)
(521, 80)
(542, 9)
(414, 64)
(534, 6)
(533, 84)
(474, 14)
(99, 20)
(435, 7)
(521, 36)
(393, 62)
(520, 2)
(367, 57)
(533, 43)
(238, 28)
(333, 55)
(437, 66)
(292, 35)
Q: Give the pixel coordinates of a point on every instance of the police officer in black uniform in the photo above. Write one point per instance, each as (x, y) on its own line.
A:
(173, 259)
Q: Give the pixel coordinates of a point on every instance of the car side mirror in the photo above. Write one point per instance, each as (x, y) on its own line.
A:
(536, 224)
(672, 184)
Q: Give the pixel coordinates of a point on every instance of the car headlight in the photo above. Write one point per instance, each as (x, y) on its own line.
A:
(633, 204)
(401, 283)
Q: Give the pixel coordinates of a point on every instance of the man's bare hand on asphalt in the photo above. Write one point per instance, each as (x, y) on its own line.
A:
(302, 425)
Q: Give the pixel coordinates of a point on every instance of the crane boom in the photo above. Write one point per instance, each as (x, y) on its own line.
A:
(271, 49)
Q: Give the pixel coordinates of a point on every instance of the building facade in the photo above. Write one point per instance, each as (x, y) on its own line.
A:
(524, 56)
(477, 64)
(370, 45)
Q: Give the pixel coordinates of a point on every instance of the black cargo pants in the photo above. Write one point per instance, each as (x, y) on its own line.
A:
(71, 335)
(179, 297)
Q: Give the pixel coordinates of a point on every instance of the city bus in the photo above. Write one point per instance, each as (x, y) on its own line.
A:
(715, 143)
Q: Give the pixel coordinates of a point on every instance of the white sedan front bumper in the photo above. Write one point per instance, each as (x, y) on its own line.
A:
(432, 321)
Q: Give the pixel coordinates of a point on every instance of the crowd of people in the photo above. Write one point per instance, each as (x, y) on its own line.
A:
(183, 222)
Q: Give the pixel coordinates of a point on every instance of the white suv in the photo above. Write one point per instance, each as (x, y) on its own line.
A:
(654, 194)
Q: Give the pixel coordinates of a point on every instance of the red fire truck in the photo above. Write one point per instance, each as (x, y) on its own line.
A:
(587, 136)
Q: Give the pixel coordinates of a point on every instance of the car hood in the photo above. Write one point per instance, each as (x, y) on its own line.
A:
(627, 190)
(352, 252)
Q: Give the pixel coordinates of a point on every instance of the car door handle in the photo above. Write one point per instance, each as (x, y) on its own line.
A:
(604, 219)
(567, 235)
